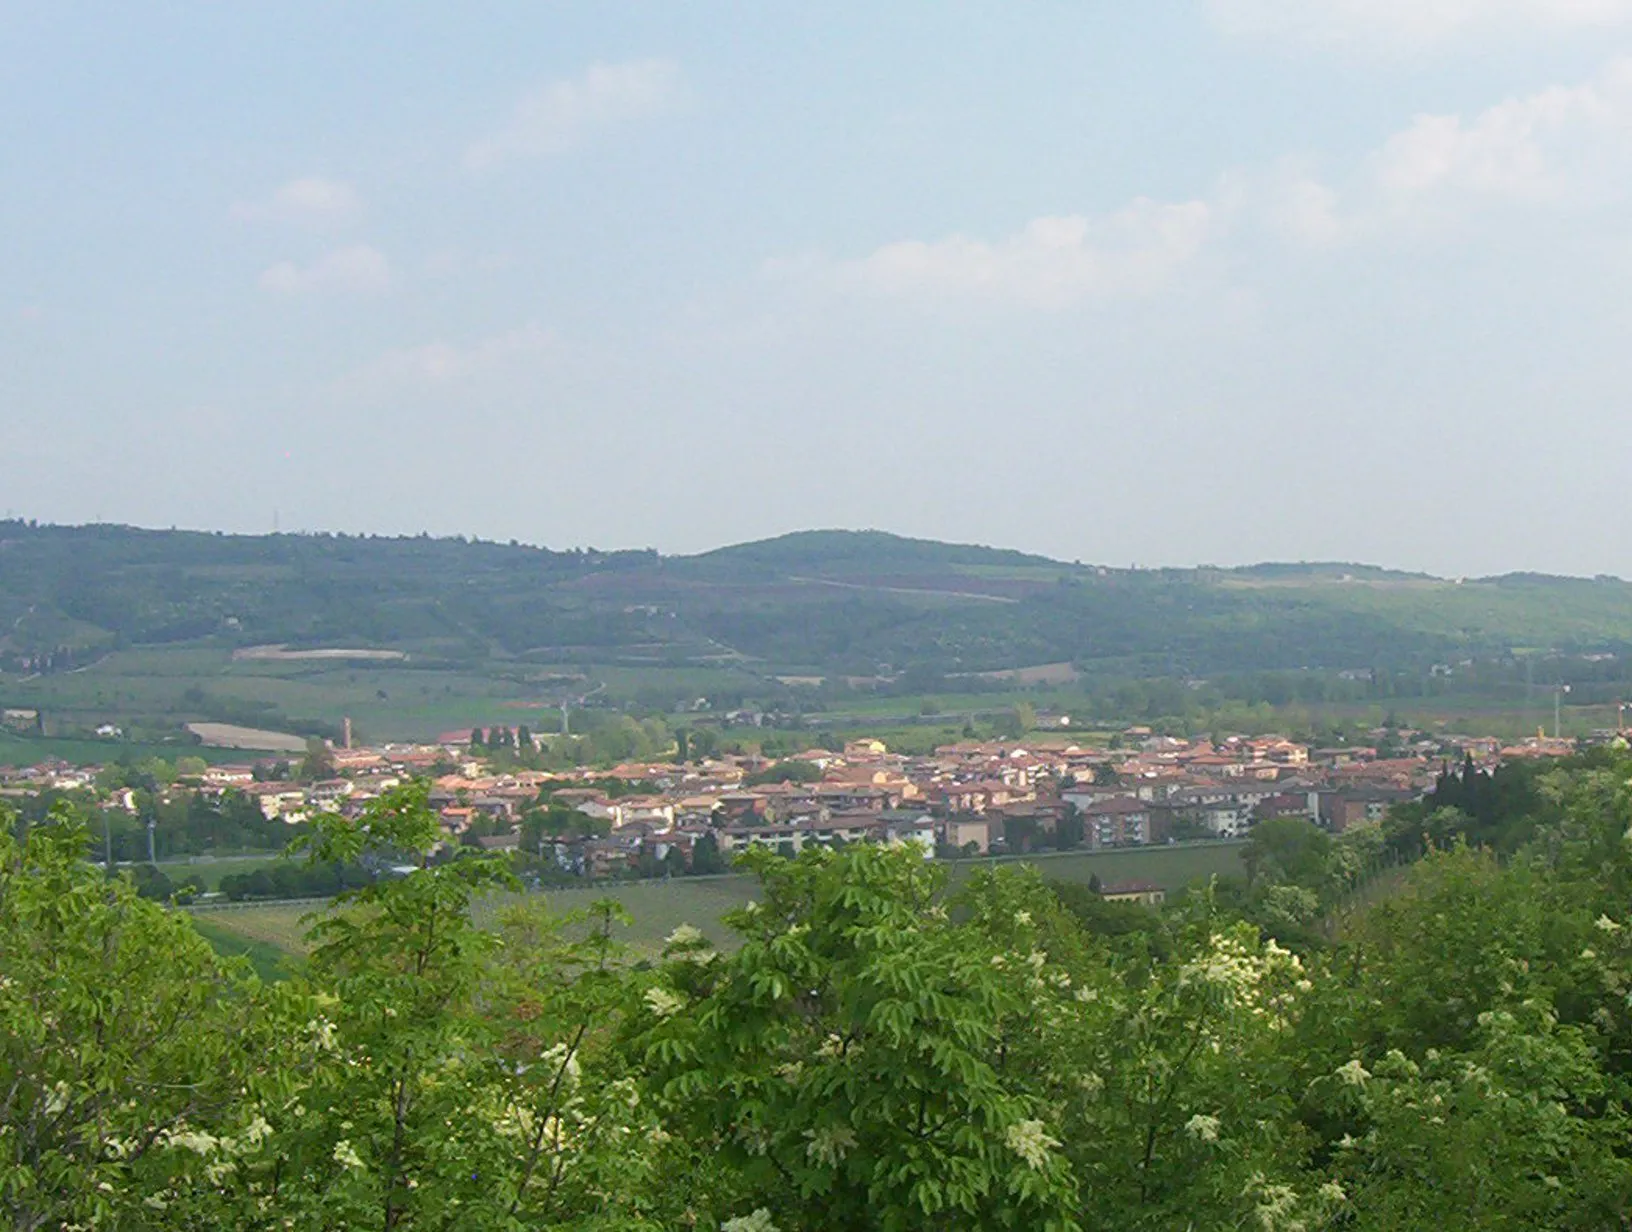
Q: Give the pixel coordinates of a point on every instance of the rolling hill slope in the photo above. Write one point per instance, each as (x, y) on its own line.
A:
(493, 620)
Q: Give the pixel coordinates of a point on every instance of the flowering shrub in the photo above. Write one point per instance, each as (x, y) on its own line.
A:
(877, 1051)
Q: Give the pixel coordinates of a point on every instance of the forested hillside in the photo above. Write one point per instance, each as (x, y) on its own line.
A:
(819, 602)
(1319, 1048)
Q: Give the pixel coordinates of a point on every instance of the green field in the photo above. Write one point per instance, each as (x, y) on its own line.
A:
(32, 750)
(279, 925)
(190, 683)
(1172, 868)
(656, 908)
(210, 870)
(270, 961)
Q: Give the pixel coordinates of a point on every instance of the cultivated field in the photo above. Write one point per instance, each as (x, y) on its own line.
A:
(231, 736)
(285, 655)
(282, 925)
(656, 908)
(1172, 868)
(269, 961)
(32, 750)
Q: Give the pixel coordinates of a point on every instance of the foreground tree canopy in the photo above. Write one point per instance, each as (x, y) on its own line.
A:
(879, 1051)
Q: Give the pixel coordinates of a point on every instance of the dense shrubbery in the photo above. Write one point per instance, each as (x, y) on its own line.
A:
(877, 1053)
(190, 823)
(285, 879)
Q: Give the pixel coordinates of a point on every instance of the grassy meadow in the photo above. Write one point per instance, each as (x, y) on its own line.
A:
(656, 907)
(270, 960)
(210, 869)
(18, 750)
(280, 925)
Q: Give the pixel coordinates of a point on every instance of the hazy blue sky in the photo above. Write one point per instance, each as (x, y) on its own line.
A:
(1153, 282)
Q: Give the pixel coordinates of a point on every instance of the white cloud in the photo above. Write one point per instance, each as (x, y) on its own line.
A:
(444, 365)
(306, 202)
(1564, 147)
(1410, 25)
(1545, 146)
(1051, 262)
(563, 114)
(1306, 210)
(355, 269)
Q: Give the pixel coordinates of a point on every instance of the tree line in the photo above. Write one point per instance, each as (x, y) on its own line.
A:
(876, 1050)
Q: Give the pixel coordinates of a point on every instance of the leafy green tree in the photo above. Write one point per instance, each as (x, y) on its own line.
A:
(557, 822)
(785, 772)
(877, 1052)
(1020, 833)
(848, 1061)
(1290, 850)
(319, 760)
(1511, 1134)
(1070, 830)
(128, 1052)
(704, 742)
(459, 1076)
(705, 855)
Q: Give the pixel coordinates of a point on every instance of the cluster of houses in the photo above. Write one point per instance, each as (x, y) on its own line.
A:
(974, 798)
(969, 799)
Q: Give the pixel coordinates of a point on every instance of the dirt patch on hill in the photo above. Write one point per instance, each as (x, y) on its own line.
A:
(282, 654)
(1043, 673)
(231, 736)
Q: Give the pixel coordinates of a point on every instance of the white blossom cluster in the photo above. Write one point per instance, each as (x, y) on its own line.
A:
(1353, 1073)
(829, 1144)
(1031, 1141)
(1261, 982)
(663, 1003)
(1276, 1206)
(687, 944)
(758, 1221)
(1202, 1128)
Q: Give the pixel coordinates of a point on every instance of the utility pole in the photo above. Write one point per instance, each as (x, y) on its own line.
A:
(152, 824)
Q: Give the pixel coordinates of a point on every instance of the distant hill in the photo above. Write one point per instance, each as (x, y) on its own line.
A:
(1341, 571)
(859, 551)
(816, 602)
